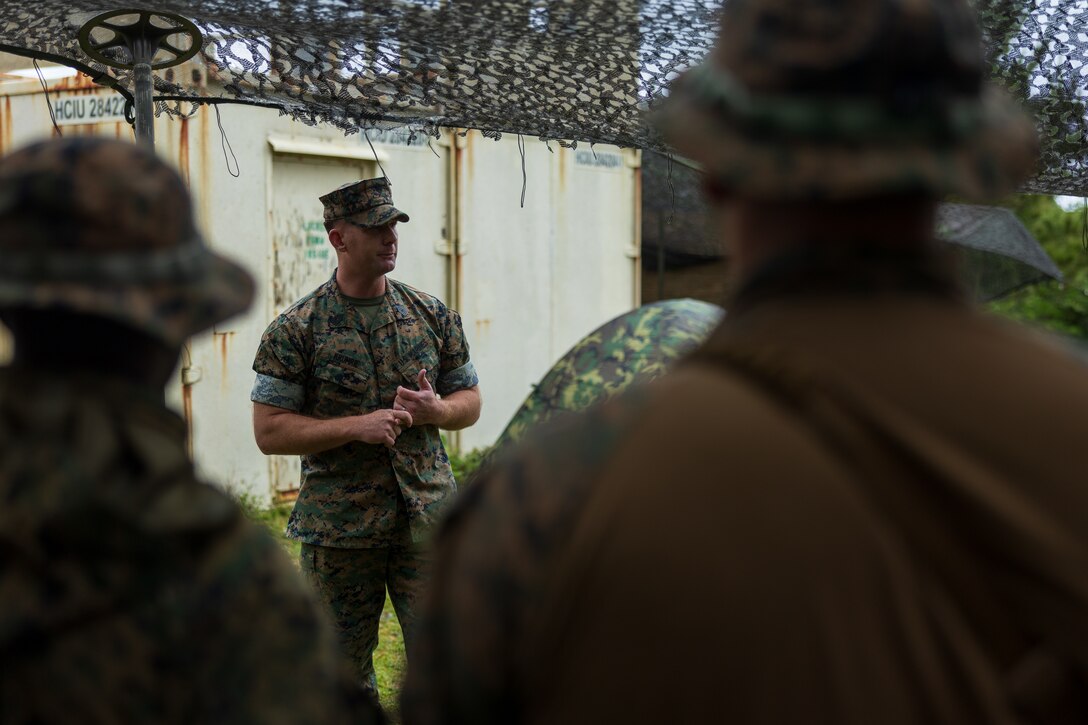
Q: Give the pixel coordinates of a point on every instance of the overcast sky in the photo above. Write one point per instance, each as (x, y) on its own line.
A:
(1070, 203)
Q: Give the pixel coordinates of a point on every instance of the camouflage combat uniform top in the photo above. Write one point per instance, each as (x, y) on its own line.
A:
(134, 593)
(318, 358)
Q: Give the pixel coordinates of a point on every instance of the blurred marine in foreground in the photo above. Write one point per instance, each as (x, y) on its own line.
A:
(862, 501)
(131, 592)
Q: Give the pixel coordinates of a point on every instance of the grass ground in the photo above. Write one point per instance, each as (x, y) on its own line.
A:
(389, 657)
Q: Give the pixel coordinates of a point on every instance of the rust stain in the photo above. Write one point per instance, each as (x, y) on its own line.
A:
(483, 327)
(78, 82)
(223, 342)
(204, 194)
(187, 411)
(458, 276)
(453, 290)
(467, 156)
(286, 496)
(5, 126)
(183, 150)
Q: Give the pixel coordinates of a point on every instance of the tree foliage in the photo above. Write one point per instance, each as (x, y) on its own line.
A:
(1056, 306)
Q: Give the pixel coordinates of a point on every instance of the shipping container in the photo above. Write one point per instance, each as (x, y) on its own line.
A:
(528, 279)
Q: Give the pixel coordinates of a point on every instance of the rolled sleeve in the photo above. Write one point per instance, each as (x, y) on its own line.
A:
(281, 364)
(280, 393)
(457, 379)
(456, 371)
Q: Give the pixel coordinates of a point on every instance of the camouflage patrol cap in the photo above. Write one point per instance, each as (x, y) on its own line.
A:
(104, 227)
(369, 202)
(842, 99)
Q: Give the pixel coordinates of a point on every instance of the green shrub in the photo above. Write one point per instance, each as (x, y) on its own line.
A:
(274, 519)
(465, 464)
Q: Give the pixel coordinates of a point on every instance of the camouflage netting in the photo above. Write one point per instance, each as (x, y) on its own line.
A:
(675, 216)
(574, 70)
(997, 254)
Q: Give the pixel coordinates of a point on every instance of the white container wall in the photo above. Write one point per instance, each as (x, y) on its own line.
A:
(537, 279)
(529, 282)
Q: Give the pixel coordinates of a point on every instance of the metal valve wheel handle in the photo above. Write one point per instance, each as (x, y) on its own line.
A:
(143, 38)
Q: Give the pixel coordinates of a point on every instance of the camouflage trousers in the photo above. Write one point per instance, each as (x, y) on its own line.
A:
(352, 584)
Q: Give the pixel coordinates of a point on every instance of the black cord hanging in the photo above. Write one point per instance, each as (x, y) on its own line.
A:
(373, 151)
(524, 177)
(45, 89)
(225, 143)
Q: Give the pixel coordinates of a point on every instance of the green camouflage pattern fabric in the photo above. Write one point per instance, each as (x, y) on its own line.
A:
(369, 201)
(492, 557)
(321, 359)
(104, 227)
(847, 99)
(134, 592)
(637, 346)
(352, 583)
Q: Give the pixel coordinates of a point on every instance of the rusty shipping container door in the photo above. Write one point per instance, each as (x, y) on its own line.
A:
(301, 256)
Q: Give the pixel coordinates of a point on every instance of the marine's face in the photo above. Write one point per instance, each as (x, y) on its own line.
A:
(372, 251)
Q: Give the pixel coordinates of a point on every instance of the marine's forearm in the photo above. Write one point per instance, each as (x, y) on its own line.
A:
(283, 432)
(461, 409)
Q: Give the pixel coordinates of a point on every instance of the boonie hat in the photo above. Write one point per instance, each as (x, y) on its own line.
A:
(104, 227)
(369, 201)
(842, 99)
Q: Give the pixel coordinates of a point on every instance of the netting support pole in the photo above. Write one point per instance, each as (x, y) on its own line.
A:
(152, 32)
(144, 105)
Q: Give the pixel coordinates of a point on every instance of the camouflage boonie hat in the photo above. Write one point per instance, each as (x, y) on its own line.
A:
(104, 227)
(843, 99)
(369, 202)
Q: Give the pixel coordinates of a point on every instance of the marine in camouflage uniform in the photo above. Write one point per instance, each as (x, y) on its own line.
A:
(365, 507)
(860, 500)
(132, 591)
